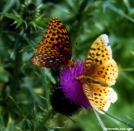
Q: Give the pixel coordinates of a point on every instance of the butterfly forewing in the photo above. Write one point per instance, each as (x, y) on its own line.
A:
(54, 50)
(99, 52)
(99, 63)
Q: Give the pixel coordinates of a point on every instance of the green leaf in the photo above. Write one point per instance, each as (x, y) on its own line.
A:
(120, 12)
(2, 126)
(4, 76)
(99, 120)
(19, 23)
(8, 5)
(11, 16)
(129, 123)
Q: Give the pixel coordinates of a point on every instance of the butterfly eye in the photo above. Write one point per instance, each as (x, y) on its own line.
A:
(77, 78)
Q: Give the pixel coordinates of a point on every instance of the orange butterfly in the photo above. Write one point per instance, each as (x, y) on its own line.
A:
(54, 50)
(100, 72)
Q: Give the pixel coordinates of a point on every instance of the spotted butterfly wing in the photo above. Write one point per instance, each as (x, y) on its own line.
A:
(99, 63)
(54, 50)
(100, 72)
(100, 97)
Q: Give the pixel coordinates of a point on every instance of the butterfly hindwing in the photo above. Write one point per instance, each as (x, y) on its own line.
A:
(49, 58)
(99, 97)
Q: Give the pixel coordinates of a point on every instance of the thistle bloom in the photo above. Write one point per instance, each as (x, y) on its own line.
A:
(71, 87)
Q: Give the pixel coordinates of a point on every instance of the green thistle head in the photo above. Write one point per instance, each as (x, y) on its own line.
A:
(29, 12)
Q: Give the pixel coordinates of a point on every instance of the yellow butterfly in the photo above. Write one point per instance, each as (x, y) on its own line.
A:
(100, 72)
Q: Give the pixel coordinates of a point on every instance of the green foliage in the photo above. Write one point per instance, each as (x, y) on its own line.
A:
(25, 89)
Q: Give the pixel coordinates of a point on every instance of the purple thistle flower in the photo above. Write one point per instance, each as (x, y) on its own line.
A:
(71, 87)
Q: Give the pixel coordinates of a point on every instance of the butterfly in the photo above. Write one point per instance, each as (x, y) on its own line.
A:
(54, 50)
(100, 72)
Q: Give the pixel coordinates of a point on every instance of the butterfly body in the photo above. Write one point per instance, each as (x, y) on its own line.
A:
(91, 80)
(100, 72)
(54, 50)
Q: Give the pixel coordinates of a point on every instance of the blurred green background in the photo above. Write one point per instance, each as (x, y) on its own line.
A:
(25, 89)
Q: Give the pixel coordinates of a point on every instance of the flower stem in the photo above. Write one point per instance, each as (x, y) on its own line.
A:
(99, 120)
(17, 64)
(131, 124)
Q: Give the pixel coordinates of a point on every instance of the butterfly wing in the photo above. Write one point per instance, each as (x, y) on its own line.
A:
(49, 58)
(99, 97)
(99, 63)
(55, 39)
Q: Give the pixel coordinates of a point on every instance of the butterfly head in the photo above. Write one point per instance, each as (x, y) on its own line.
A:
(81, 78)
